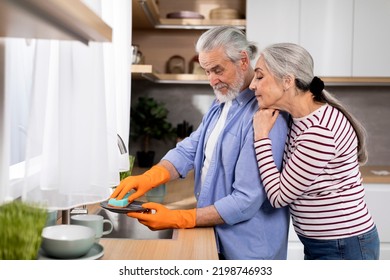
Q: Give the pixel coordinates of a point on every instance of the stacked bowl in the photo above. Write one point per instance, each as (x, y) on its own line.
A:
(67, 241)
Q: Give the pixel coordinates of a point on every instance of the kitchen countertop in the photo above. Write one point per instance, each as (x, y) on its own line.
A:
(197, 243)
(376, 174)
(186, 244)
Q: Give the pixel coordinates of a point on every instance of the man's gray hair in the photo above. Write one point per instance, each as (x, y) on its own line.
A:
(230, 38)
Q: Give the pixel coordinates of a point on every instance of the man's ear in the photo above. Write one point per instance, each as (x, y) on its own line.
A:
(245, 62)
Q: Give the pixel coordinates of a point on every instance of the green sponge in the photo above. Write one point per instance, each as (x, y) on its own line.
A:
(119, 203)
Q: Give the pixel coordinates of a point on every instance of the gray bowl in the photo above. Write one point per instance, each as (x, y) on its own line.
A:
(67, 241)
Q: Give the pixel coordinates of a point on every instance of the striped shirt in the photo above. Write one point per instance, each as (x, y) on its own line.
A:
(320, 181)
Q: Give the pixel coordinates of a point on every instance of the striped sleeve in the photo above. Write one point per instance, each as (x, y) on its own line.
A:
(311, 153)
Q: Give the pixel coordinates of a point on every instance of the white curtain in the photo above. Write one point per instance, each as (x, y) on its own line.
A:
(79, 104)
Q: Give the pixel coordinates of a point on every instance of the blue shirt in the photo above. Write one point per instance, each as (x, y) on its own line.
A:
(253, 229)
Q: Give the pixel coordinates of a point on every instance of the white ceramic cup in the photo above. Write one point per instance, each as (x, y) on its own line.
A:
(96, 222)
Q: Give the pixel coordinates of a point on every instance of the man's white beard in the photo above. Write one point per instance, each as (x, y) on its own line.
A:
(232, 91)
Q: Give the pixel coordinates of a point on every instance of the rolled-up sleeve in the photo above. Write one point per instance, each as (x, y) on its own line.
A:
(183, 155)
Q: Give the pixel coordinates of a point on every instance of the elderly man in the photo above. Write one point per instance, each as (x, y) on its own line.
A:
(230, 196)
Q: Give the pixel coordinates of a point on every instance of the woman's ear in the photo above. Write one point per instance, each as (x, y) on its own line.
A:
(288, 82)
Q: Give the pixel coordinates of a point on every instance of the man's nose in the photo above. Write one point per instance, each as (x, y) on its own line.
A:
(213, 79)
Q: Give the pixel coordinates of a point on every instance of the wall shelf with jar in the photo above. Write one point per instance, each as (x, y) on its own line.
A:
(193, 14)
(166, 30)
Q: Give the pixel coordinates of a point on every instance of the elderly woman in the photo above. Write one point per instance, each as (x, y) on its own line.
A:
(320, 180)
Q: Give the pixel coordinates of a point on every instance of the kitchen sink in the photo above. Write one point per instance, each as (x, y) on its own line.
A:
(129, 228)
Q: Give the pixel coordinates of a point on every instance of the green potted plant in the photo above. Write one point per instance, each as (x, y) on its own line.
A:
(20, 230)
(149, 121)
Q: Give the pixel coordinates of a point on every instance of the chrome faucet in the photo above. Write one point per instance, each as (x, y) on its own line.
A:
(83, 209)
(121, 145)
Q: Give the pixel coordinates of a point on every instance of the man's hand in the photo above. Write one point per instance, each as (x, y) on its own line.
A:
(154, 177)
(164, 218)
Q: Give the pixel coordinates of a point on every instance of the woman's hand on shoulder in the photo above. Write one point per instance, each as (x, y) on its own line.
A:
(263, 121)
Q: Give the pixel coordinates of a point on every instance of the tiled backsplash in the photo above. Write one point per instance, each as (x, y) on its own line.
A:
(371, 105)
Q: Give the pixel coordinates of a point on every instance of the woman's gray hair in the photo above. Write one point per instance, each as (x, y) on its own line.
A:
(285, 59)
(230, 38)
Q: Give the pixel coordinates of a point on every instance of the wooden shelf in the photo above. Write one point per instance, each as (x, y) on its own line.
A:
(146, 15)
(146, 72)
(356, 81)
(142, 71)
(52, 19)
(198, 23)
(181, 79)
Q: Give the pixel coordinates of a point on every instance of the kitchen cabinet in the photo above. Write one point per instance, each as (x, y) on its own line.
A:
(328, 40)
(377, 196)
(376, 181)
(37, 19)
(55, 19)
(160, 38)
(323, 27)
(338, 34)
(371, 56)
(295, 247)
(271, 21)
(325, 31)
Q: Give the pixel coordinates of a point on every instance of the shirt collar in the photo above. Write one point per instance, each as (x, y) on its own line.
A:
(244, 96)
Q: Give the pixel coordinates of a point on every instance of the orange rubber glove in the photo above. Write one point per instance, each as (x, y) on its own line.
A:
(154, 177)
(165, 218)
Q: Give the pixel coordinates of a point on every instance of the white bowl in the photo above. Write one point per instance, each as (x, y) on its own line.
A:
(67, 241)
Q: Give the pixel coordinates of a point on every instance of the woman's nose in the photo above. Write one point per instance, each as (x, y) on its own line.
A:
(252, 85)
